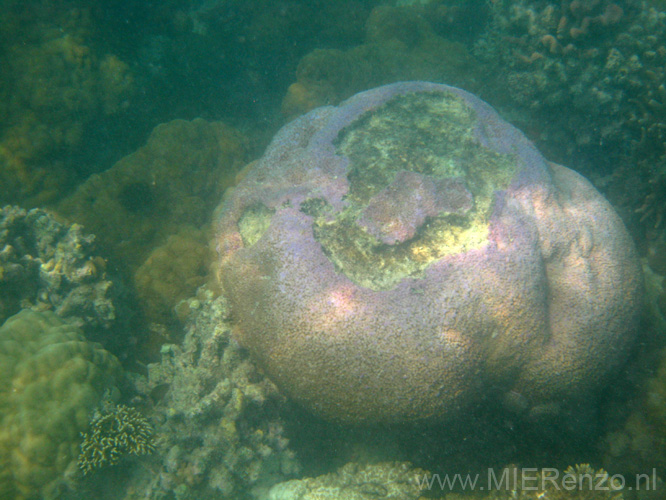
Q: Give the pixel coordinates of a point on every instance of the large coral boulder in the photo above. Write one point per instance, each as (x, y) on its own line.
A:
(408, 253)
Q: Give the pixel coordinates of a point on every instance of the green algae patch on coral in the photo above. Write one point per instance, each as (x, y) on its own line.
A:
(432, 135)
(254, 223)
(51, 378)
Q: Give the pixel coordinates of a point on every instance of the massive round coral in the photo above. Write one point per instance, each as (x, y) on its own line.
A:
(408, 253)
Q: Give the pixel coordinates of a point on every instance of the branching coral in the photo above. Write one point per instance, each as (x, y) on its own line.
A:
(604, 63)
(221, 431)
(600, 57)
(114, 434)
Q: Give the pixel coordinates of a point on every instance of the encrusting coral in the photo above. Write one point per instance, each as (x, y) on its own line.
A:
(51, 379)
(114, 433)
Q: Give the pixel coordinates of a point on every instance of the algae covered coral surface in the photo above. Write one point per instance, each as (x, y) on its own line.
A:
(125, 356)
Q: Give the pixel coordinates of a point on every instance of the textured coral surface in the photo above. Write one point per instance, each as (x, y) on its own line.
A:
(529, 296)
(392, 481)
(55, 86)
(220, 430)
(172, 181)
(51, 379)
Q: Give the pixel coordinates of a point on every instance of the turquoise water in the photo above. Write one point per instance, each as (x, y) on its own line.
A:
(132, 121)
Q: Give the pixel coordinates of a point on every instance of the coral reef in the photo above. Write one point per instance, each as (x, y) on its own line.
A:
(400, 45)
(636, 442)
(635, 439)
(49, 265)
(51, 379)
(548, 55)
(114, 433)
(145, 207)
(639, 445)
(220, 429)
(392, 481)
(531, 295)
(604, 62)
(53, 86)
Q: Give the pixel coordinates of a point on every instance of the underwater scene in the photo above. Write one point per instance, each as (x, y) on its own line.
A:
(333, 250)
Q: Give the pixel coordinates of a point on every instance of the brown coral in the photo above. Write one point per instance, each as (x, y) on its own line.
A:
(174, 180)
(54, 84)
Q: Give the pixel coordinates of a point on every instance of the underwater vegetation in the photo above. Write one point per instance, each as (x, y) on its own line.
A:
(389, 258)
